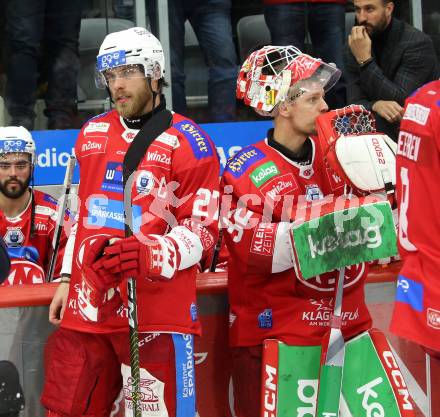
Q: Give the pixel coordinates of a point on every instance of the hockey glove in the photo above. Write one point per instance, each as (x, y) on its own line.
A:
(97, 296)
(156, 257)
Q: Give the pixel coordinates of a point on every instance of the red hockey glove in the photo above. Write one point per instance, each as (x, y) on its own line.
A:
(156, 257)
(97, 298)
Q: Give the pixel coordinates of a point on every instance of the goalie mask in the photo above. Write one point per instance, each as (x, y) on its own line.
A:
(274, 74)
(17, 139)
(132, 48)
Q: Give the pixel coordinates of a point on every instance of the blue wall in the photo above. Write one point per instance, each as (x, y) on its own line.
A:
(55, 146)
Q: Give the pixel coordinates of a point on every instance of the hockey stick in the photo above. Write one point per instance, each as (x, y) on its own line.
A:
(428, 382)
(60, 216)
(217, 249)
(158, 123)
(330, 378)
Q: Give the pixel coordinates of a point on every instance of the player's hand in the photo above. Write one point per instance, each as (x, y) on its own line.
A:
(58, 304)
(154, 258)
(360, 43)
(391, 111)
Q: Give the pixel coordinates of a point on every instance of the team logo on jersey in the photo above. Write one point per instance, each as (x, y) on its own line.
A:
(129, 134)
(96, 127)
(198, 139)
(24, 272)
(410, 292)
(243, 160)
(144, 182)
(14, 237)
(94, 145)
(417, 113)
(265, 319)
(113, 177)
(326, 282)
(279, 186)
(433, 318)
(263, 173)
(306, 171)
(313, 192)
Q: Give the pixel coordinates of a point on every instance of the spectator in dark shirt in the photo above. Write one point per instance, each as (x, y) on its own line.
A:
(289, 20)
(211, 21)
(47, 29)
(386, 60)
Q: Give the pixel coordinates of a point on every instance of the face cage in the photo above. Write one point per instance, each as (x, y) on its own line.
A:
(264, 96)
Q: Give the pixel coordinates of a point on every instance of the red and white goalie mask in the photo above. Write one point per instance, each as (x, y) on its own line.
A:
(267, 75)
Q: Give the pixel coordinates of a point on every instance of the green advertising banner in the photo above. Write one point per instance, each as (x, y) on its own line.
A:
(366, 389)
(344, 237)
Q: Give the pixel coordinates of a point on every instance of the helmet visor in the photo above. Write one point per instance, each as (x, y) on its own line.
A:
(325, 77)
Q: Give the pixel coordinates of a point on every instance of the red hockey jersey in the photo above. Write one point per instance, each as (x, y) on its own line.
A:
(177, 181)
(30, 256)
(266, 298)
(417, 308)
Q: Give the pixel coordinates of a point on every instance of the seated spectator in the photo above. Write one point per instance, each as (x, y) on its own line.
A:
(49, 29)
(386, 60)
(211, 21)
(289, 20)
(27, 216)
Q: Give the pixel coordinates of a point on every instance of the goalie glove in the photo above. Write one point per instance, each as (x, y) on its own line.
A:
(364, 159)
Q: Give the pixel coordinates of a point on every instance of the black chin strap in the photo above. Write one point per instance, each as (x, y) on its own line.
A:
(154, 109)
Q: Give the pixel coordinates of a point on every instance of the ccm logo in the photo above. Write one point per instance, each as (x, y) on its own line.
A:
(398, 380)
(270, 392)
(378, 150)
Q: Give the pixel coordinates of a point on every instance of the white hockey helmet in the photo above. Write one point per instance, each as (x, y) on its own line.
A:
(130, 47)
(268, 74)
(17, 139)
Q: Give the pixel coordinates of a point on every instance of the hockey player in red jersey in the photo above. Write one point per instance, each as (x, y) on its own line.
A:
(417, 308)
(175, 210)
(267, 182)
(27, 216)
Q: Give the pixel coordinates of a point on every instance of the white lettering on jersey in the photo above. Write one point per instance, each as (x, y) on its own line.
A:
(169, 140)
(96, 127)
(417, 113)
(408, 145)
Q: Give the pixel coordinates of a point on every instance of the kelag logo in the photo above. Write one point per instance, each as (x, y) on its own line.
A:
(113, 178)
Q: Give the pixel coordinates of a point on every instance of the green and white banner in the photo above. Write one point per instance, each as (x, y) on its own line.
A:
(344, 237)
(290, 380)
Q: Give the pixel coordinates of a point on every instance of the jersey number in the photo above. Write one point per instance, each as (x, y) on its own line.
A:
(403, 212)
